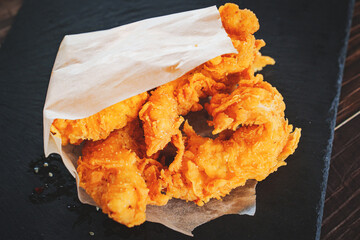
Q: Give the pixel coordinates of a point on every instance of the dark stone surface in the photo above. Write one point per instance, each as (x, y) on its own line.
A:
(307, 39)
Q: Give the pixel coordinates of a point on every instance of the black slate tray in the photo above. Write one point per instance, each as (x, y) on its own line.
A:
(307, 39)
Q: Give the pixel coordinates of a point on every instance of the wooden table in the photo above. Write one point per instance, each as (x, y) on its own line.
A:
(341, 218)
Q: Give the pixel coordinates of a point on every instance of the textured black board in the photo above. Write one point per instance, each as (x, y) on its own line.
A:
(307, 39)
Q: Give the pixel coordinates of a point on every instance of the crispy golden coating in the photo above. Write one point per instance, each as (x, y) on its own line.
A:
(261, 61)
(161, 114)
(212, 168)
(109, 174)
(150, 170)
(118, 180)
(238, 22)
(129, 137)
(99, 125)
(250, 104)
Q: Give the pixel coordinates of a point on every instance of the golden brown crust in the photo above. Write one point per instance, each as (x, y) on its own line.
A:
(99, 125)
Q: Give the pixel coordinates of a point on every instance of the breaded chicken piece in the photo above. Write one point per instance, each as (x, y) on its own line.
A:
(250, 104)
(161, 114)
(111, 177)
(212, 168)
(113, 173)
(99, 125)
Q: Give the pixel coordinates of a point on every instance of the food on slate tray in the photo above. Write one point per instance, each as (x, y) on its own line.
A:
(123, 163)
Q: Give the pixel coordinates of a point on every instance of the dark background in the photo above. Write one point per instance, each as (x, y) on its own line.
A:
(307, 39)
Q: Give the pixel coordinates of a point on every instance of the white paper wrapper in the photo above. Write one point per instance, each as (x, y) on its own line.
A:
(95, 70)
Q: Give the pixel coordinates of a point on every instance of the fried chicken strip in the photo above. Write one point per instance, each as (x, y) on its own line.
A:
(113, 180)
(121, 182)
(99, 125)
(212, 168)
